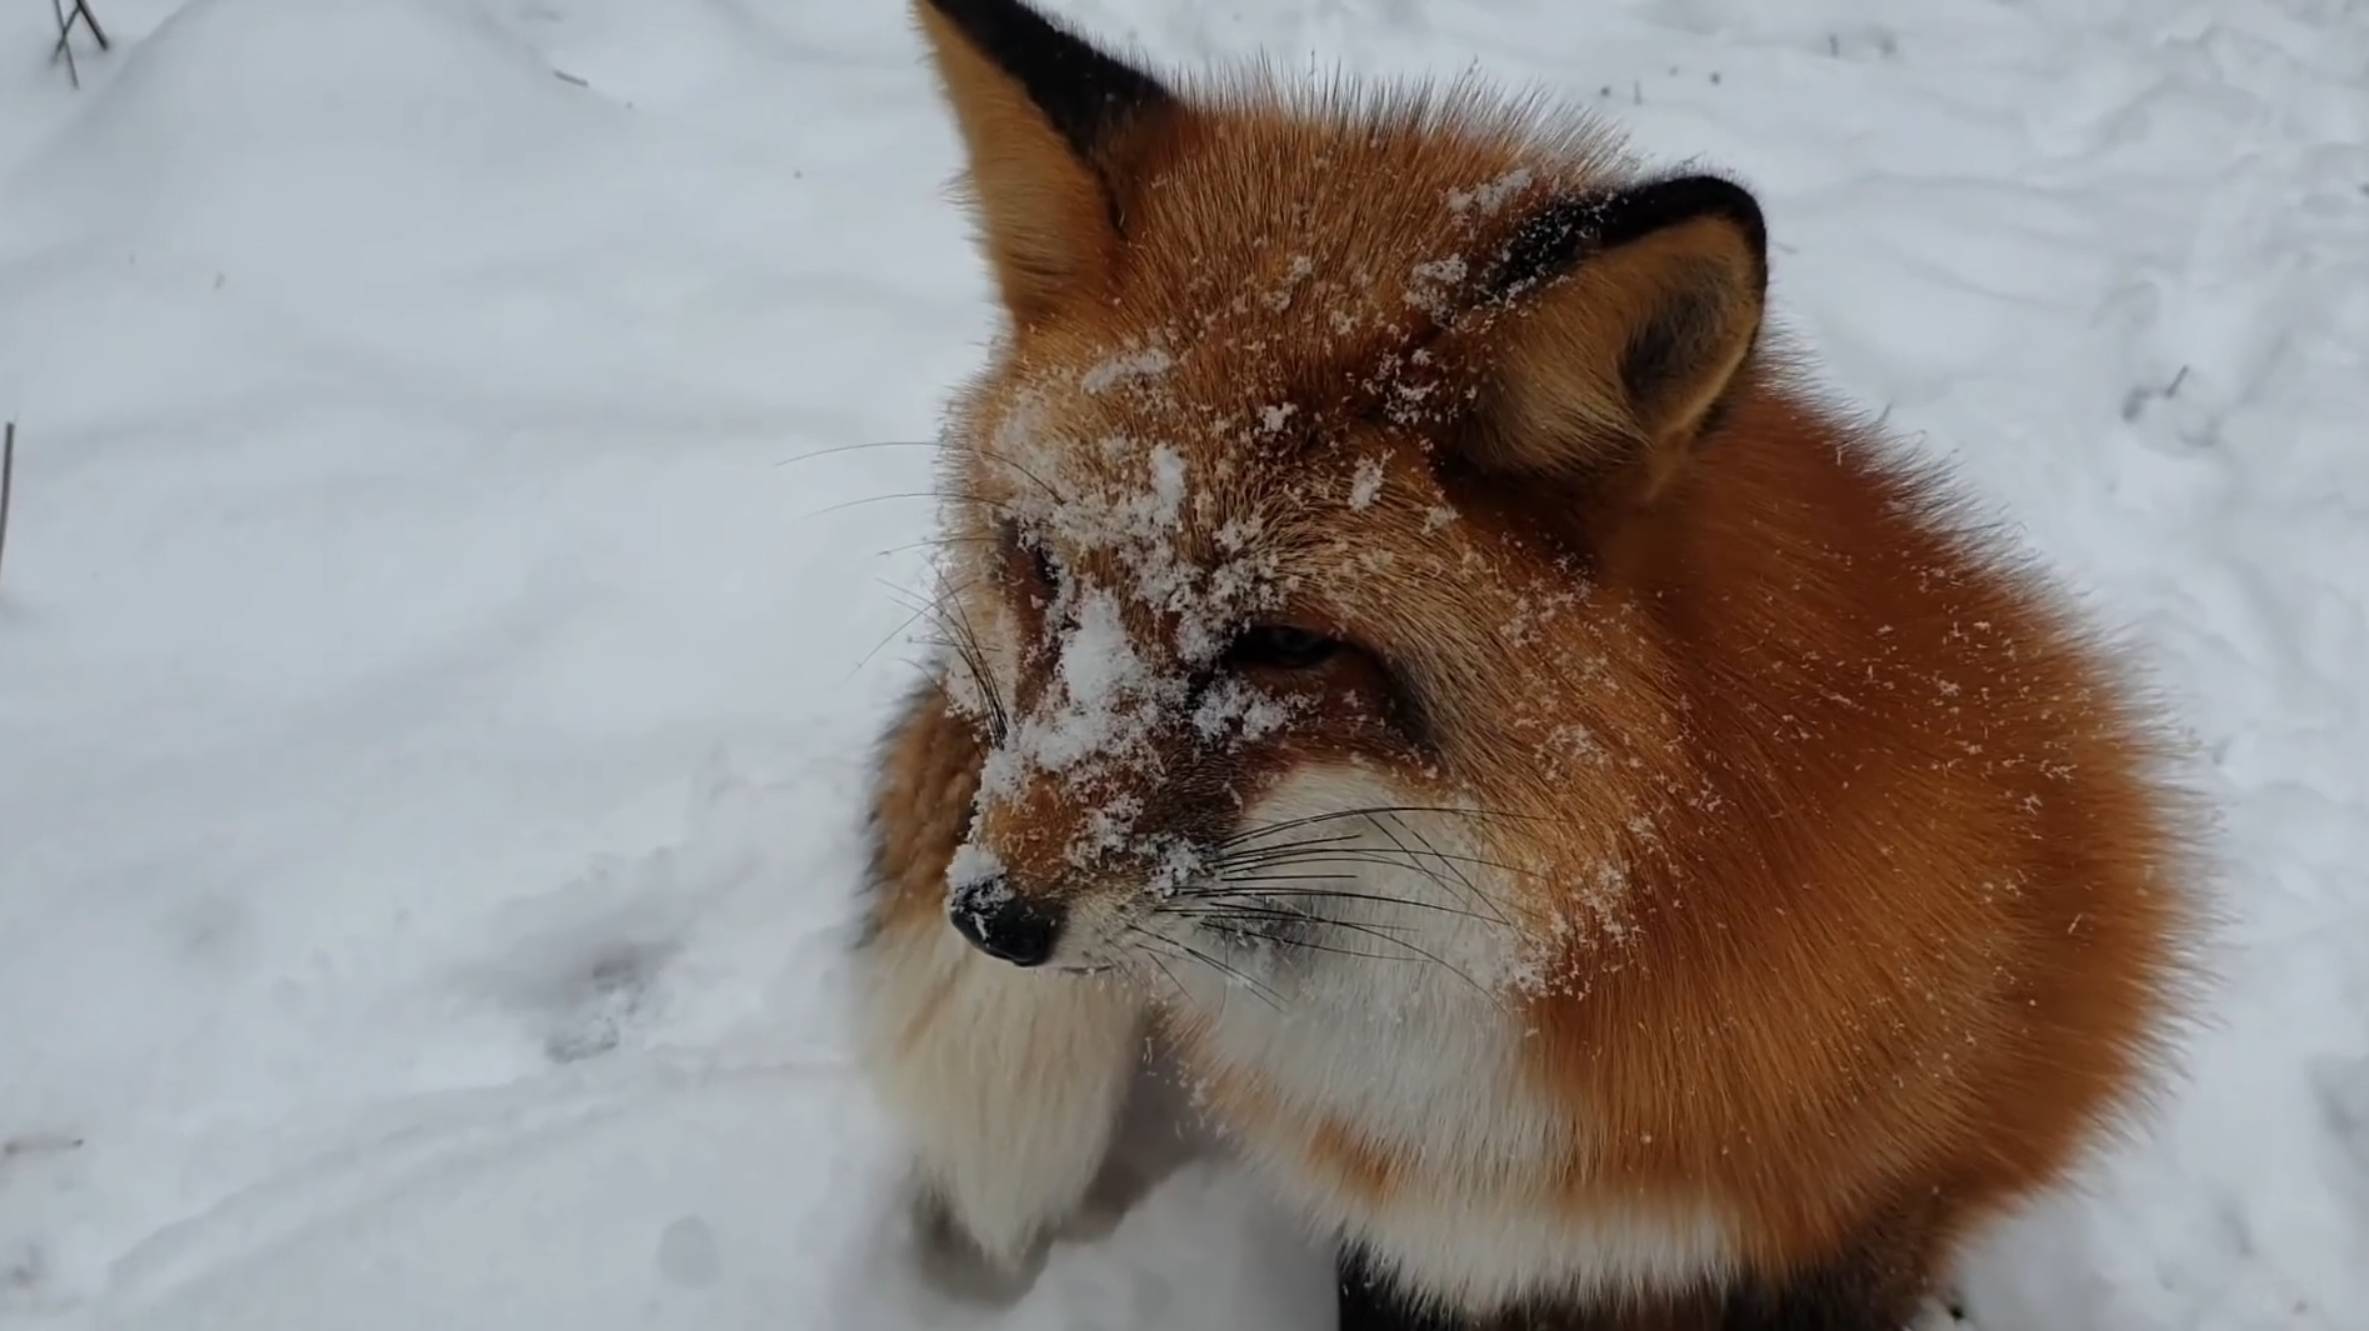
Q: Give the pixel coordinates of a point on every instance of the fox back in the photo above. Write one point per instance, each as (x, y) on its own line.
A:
(1601, 829)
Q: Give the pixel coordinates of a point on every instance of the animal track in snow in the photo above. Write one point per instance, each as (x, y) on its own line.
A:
(583, 965)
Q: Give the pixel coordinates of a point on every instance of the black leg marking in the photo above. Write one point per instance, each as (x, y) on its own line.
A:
(1369, 1303)
(1876, 1287)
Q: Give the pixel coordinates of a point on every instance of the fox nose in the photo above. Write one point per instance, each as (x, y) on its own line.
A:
(1005, 925)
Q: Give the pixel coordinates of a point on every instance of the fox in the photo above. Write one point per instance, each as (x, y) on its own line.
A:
(1600, 832)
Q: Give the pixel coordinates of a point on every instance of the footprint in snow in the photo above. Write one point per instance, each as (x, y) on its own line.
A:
(601, 1002)
(687, 1253)
(582, 966)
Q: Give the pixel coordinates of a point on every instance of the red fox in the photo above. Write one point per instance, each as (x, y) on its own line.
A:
(1601, 835)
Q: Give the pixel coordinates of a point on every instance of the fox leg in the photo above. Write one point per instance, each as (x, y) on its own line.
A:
(1008, 1084)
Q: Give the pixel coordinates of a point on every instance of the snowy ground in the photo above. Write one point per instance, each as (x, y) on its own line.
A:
(431, 712)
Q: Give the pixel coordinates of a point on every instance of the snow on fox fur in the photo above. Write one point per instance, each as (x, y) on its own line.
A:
(1599, 834)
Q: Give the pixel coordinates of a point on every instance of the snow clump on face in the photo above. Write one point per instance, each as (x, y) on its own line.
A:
(1233, 707)
(976, 867)
(1140, 605)
(1366, 486)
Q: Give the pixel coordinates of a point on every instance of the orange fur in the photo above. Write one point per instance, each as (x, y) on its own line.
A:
(1854, 900)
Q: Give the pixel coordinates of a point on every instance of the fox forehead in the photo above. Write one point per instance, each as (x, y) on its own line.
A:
(1200, 517)
(1283, 266)
(1320, 216)
(1288, 338)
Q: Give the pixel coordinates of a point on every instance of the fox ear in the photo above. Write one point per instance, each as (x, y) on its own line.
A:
(1625, 320)
(1049, 123)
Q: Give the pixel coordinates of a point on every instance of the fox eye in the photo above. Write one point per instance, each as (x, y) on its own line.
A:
(1031, 558)
(1280, 647)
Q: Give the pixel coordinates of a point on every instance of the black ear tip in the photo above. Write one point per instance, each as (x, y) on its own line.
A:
(1081, 89)
(1656, 204)
(1570, 228)
(1730, 199)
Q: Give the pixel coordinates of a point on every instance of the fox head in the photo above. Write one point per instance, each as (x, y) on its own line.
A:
(1287, 527)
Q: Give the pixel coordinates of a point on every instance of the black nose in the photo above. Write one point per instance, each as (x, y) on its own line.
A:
(1004, 924)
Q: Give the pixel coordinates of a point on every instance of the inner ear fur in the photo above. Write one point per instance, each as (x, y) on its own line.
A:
(1050, 125)
(1623, 321)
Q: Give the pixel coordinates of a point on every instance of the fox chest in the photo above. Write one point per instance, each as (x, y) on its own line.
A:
(1420, 1136)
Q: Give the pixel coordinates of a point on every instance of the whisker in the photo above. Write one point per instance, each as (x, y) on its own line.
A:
(1279, 914)
(986, 679)
(1366, 812)
(1375, 897)
(1377, 855)
(921, 606)
(941, 496)
(1424, 953)
(1285, 940)
(1183, 995)
(934, 542)
(1380, 932)
(835, 449)
(1153, 957)
(893, 635)
(940, 444)
(1469, 886)
(1380, 856)
(1041, 483)
(1317, 847)
(964, 642)
(1269, 996)
(1254, 852)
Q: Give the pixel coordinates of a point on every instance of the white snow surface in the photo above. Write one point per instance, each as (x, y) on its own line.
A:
(434, 711)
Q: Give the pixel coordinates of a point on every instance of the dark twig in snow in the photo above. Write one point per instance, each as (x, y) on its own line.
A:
(38, 1143)
(91, 21)
(2135, 402)
(7, 481)
(65, 47)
